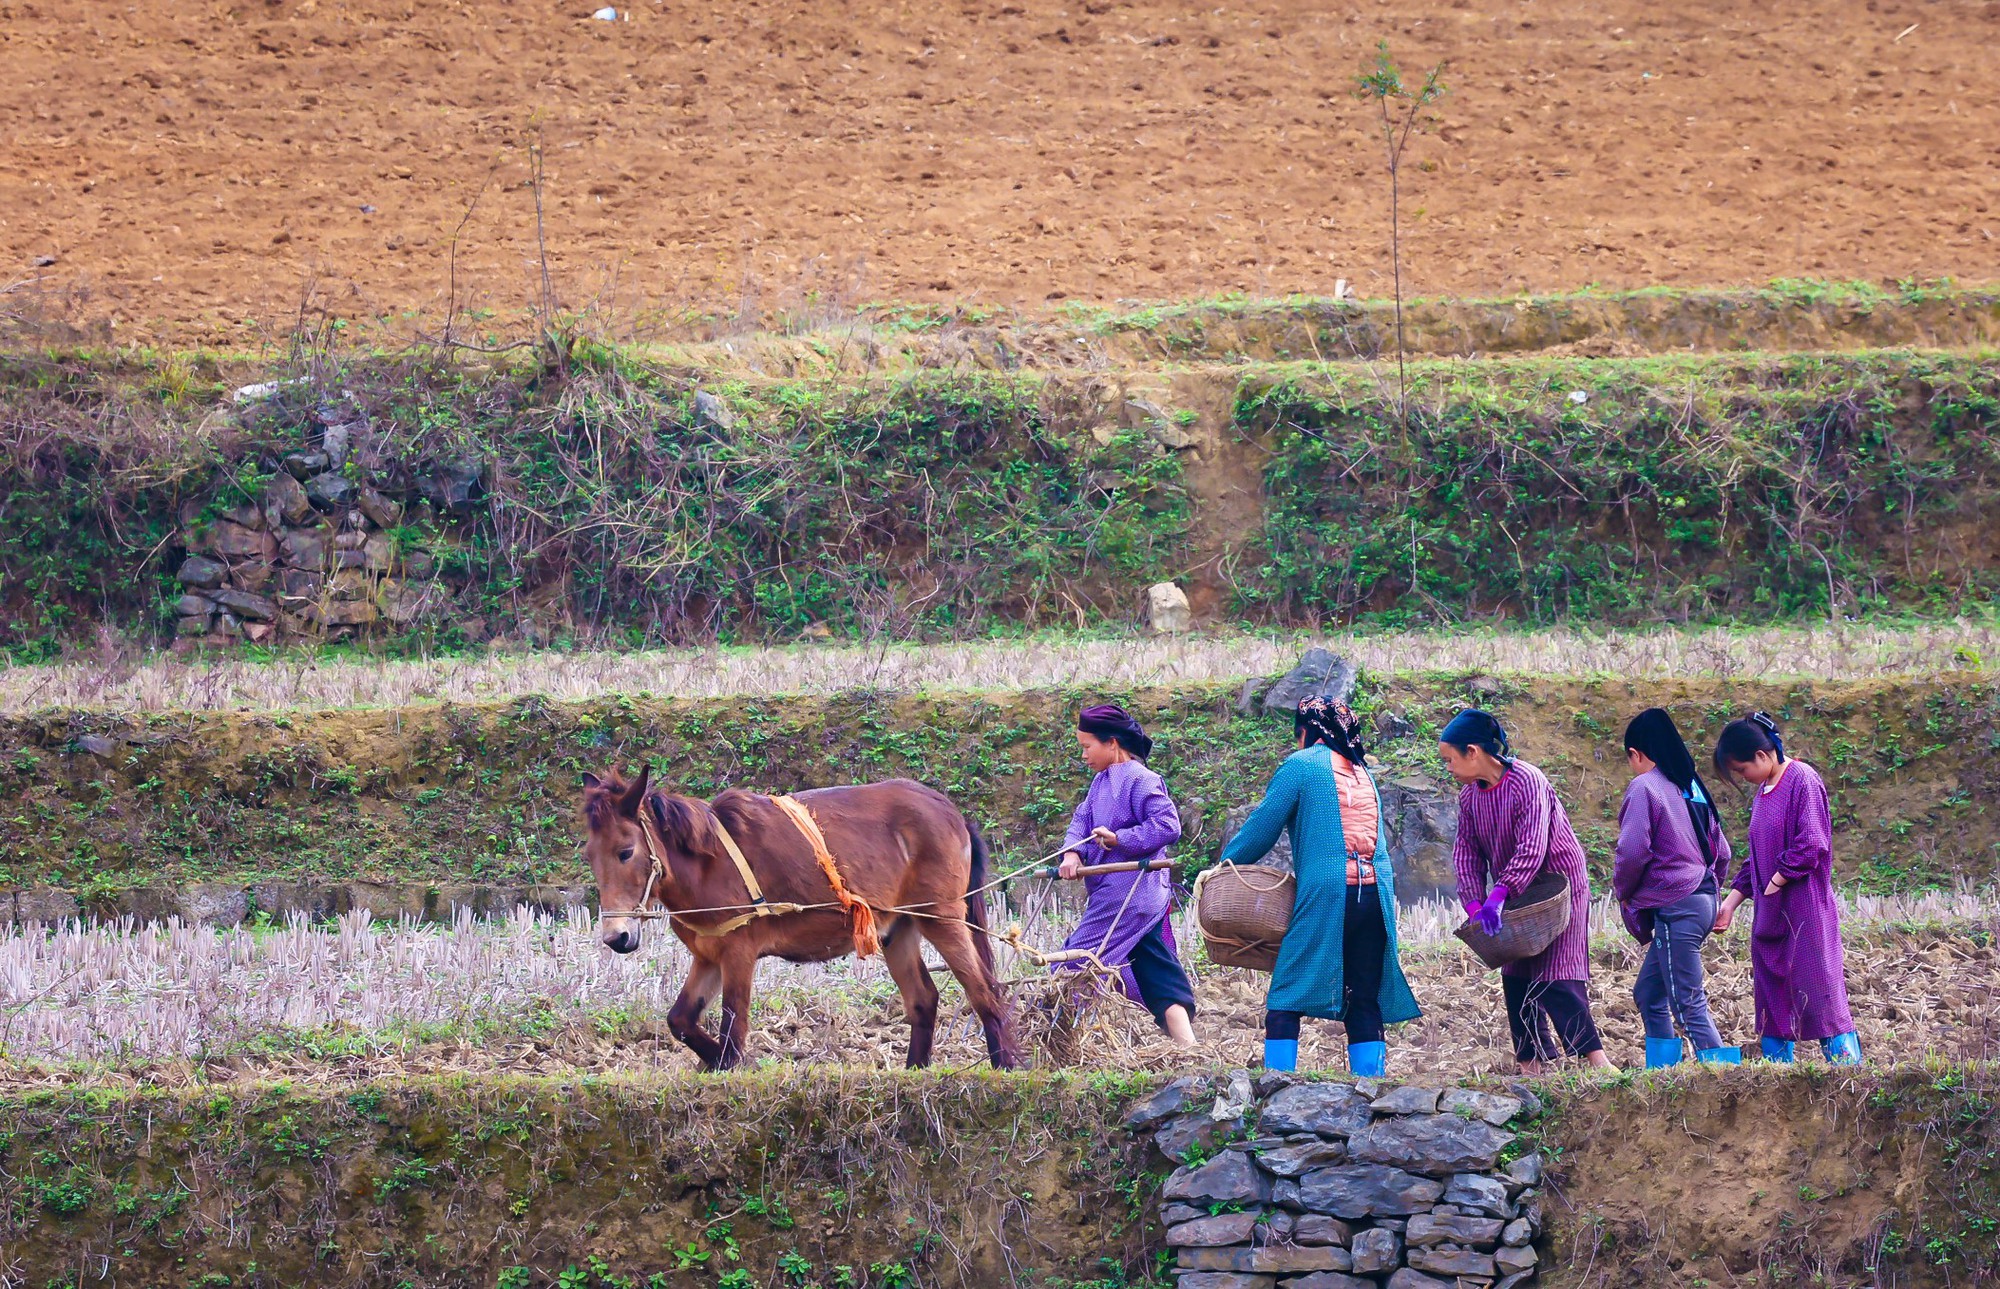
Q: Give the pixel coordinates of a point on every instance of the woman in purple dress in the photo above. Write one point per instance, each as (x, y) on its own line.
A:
(1510, 828)
(1127, 816)
(1796, 962)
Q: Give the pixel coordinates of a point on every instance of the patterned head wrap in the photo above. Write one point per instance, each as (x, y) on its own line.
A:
(1322, 720)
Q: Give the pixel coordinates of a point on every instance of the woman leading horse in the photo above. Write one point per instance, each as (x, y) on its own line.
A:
(806, 878)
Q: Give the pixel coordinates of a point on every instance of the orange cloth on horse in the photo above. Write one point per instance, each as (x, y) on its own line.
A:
(865, 939)
(1360, 819)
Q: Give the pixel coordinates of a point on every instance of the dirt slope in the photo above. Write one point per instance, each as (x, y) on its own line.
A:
(190, 170)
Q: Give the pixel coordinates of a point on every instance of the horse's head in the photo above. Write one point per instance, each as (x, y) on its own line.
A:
(630, 875)
(621, 859)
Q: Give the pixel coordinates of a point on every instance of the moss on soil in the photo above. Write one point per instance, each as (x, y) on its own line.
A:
(791, 1177)
(945, 501)
(488, 793)
(1815, 1176)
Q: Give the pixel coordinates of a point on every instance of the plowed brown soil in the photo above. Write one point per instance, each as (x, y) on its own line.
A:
(195, 171)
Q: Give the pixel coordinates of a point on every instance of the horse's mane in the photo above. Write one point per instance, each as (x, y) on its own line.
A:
(686, 822)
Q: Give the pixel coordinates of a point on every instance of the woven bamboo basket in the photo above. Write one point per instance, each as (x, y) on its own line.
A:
(1529, 923)
(1244, 911)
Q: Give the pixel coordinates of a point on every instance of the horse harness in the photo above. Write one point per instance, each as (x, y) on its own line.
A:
(860, 914)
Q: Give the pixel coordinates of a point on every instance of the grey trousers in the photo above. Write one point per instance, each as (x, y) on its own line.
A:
(1669, 987)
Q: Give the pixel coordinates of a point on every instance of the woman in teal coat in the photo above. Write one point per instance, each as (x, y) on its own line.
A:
(1338, 960)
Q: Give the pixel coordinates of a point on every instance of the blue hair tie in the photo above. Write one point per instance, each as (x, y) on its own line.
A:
(1770, 727)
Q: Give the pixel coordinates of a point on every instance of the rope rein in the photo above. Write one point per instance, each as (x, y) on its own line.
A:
(651, 905)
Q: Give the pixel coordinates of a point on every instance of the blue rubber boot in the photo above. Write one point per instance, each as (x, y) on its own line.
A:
(1842, 1049)
(1663, 1052)
(1368, 1060)
(1720, 1056)
(1281, 1054)
(1777, 1049)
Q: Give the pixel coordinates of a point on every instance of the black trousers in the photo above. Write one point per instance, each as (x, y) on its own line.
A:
(1162, 981)
(1531, 1004)
(1364, 941)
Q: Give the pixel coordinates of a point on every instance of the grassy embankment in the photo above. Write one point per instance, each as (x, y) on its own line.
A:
(803, 1178)
(442, 797)
(949, 490)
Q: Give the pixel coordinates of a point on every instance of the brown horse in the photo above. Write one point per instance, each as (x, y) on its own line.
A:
(900, 847)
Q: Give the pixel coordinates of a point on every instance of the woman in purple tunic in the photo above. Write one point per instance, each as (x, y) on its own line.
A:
(1510, 828)
(1796, 962)
(1127, 816)
(1671, 862)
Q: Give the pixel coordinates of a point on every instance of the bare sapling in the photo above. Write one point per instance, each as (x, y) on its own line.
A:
(1400, 108)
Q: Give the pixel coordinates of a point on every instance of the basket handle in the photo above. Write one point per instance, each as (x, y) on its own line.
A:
(1201, 878)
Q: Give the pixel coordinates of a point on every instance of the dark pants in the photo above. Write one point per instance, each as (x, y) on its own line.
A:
(1669, 987)
(1162, 981)
(1364, 941)
(1531, 1004)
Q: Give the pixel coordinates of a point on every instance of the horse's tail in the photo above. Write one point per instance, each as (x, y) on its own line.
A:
(975, 903)
(1000, 1047)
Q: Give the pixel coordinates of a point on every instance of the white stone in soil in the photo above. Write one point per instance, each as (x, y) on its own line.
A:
(1167, 609)
(1235, 1099)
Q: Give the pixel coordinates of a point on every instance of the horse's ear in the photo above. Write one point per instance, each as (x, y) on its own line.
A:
(629, 804)
(591, 782)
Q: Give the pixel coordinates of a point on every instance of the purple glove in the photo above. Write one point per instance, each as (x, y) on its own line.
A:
(1487, 916)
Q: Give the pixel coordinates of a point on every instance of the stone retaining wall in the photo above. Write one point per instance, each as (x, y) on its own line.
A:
(1335, 1185)
(318, 555)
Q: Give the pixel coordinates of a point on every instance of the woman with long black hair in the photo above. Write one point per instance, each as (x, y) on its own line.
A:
(1672, 859)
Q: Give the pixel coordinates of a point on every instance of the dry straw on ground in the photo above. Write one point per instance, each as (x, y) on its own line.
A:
(152, 682)
(529, 993)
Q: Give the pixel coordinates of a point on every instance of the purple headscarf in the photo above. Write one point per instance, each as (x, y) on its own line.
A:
(1110, 721)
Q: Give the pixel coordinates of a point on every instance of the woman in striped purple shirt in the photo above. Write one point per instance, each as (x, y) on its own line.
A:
(1510, 828)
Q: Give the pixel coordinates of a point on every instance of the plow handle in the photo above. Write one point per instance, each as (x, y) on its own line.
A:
(1093, 870)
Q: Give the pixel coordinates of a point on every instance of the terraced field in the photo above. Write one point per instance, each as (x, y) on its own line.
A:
(406, 410)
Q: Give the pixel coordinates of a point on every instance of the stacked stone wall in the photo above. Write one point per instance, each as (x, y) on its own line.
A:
(323, 552)
(1290, 1184)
